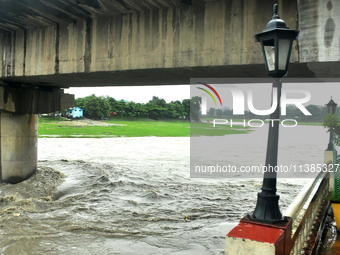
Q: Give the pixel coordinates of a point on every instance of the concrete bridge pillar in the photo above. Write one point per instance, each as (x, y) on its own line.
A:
(19, 106)
(18, 146)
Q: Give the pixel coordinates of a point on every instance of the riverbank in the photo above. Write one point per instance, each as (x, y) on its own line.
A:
(56, 127)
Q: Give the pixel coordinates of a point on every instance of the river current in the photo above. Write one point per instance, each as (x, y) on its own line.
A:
(135, 195)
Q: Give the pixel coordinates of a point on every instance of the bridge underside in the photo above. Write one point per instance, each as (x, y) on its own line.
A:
(313, 72)
(75, 43)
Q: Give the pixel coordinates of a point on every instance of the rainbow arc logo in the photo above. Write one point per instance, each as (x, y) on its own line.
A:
(209, 93)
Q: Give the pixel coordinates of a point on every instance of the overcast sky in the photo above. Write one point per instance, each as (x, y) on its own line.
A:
(137, 94)
(321, 92)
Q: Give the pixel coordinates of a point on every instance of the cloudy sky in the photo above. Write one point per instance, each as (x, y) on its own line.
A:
(137, 94)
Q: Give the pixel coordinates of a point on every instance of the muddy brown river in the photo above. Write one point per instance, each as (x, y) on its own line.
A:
(135, 195)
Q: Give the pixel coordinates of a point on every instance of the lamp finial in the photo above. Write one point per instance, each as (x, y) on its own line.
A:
(275, 10)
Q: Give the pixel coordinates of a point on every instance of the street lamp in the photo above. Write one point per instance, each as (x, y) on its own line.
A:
(331, 107)
(276, 41)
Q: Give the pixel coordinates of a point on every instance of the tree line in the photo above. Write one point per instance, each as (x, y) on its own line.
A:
(157, 108)
(187, 109)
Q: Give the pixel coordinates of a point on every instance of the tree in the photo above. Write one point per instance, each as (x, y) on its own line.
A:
(156, 108)
(179, 108)
(195, 107)
(170, 111)
(139, 108)
(219, 113)
(186, 108)
(80, 102)
(154, 111)
(250, 115)
(97, 107)
(120, 106)
(211, 112)
(315, 110)
(292, 111)
(337, 111)
(324, 112)
(158, 101)
(130, 109)
(113, 104)
(332, 122)
(227, 113)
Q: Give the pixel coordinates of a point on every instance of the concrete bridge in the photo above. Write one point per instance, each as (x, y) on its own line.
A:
(48, 45)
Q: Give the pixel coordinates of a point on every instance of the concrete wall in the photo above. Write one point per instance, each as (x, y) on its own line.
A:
(319, 39)
(319, 23)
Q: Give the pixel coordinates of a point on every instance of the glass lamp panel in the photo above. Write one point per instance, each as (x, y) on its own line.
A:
(329, 108)
(333, 108)
(284, 46)
(270, 57)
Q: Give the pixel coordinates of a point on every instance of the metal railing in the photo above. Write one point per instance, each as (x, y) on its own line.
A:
(304, 212)
(336, 172)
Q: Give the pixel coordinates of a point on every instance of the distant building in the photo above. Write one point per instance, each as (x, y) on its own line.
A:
(76, 112)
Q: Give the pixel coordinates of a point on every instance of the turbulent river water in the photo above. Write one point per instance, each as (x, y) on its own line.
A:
(135, 195)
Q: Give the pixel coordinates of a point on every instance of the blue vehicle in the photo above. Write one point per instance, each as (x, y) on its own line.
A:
(76, 112)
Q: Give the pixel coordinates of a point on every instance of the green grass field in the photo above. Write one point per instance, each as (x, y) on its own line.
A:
(55, 127)
(125, 129)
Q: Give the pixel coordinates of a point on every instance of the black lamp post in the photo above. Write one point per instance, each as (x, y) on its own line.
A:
(331, 107)
(276, 41)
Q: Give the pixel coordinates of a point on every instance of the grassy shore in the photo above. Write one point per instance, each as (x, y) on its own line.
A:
(60, 127)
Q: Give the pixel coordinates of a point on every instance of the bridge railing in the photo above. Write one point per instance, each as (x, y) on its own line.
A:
(336, 172)
(310, 207)
(307, 211)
